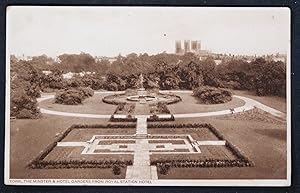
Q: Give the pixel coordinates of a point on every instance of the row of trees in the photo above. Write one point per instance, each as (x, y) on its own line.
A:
(163, 71)
(187, 72)
(263, 77)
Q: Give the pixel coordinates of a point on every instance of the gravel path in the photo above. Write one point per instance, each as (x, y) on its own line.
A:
(249, 104)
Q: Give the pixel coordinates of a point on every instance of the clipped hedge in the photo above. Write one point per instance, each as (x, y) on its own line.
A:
(71, 164)
(51, 146)
(103, 126)
(234, 149)
(127, 119)
(180, 125)
(39, 162)
(164, 165)
(155, 118)
(212, 95)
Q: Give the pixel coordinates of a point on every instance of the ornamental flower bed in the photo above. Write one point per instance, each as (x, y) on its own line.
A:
(124, 109)
(39, 162)
(241, 159)
(111, 99)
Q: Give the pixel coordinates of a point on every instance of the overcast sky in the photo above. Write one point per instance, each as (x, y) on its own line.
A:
(107, 31)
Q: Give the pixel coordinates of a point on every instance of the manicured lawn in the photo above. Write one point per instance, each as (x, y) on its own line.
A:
(190, 104)
(207, 152)
(87, 134)
(275, 102)
(74, 153)
(30, 137)
(197, 134)
(264, 143)
(92, 105)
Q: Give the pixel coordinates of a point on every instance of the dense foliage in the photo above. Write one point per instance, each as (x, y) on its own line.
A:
(212, 95)
(24, 90)
(163, 71)
(73, 96)
(263, 77)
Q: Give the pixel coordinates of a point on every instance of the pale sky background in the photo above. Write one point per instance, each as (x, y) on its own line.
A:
(108, 31)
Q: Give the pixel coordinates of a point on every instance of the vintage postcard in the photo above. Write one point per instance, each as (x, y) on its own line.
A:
(148, 96)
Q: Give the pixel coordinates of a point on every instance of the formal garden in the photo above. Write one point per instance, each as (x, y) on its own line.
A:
(163, 116)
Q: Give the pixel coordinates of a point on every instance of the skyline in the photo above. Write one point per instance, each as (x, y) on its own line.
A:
(107, 31)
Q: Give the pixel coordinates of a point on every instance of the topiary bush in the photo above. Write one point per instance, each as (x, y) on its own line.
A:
(212, 95)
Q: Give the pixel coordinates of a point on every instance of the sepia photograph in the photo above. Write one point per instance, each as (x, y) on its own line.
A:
(148, 96)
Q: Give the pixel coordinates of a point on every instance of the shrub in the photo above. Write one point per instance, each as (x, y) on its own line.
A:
(112, 86)
(97, 84)
(116, 169)
(26, 114)
(69, 97)
(212, 95)
(23, 106)
(231, 84)
(87, 92)
(74, 82)
(163, 168)
(270, 78)
(73, 96)
(162, 108)
(54, 81)
(24, 89)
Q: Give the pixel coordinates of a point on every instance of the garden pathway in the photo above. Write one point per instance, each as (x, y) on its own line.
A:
(142, 109)
(249, 104)
(141, 168)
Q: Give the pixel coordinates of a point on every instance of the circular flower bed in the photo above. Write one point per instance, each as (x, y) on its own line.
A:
(138, 98)
(212, 95)
(131, 96)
